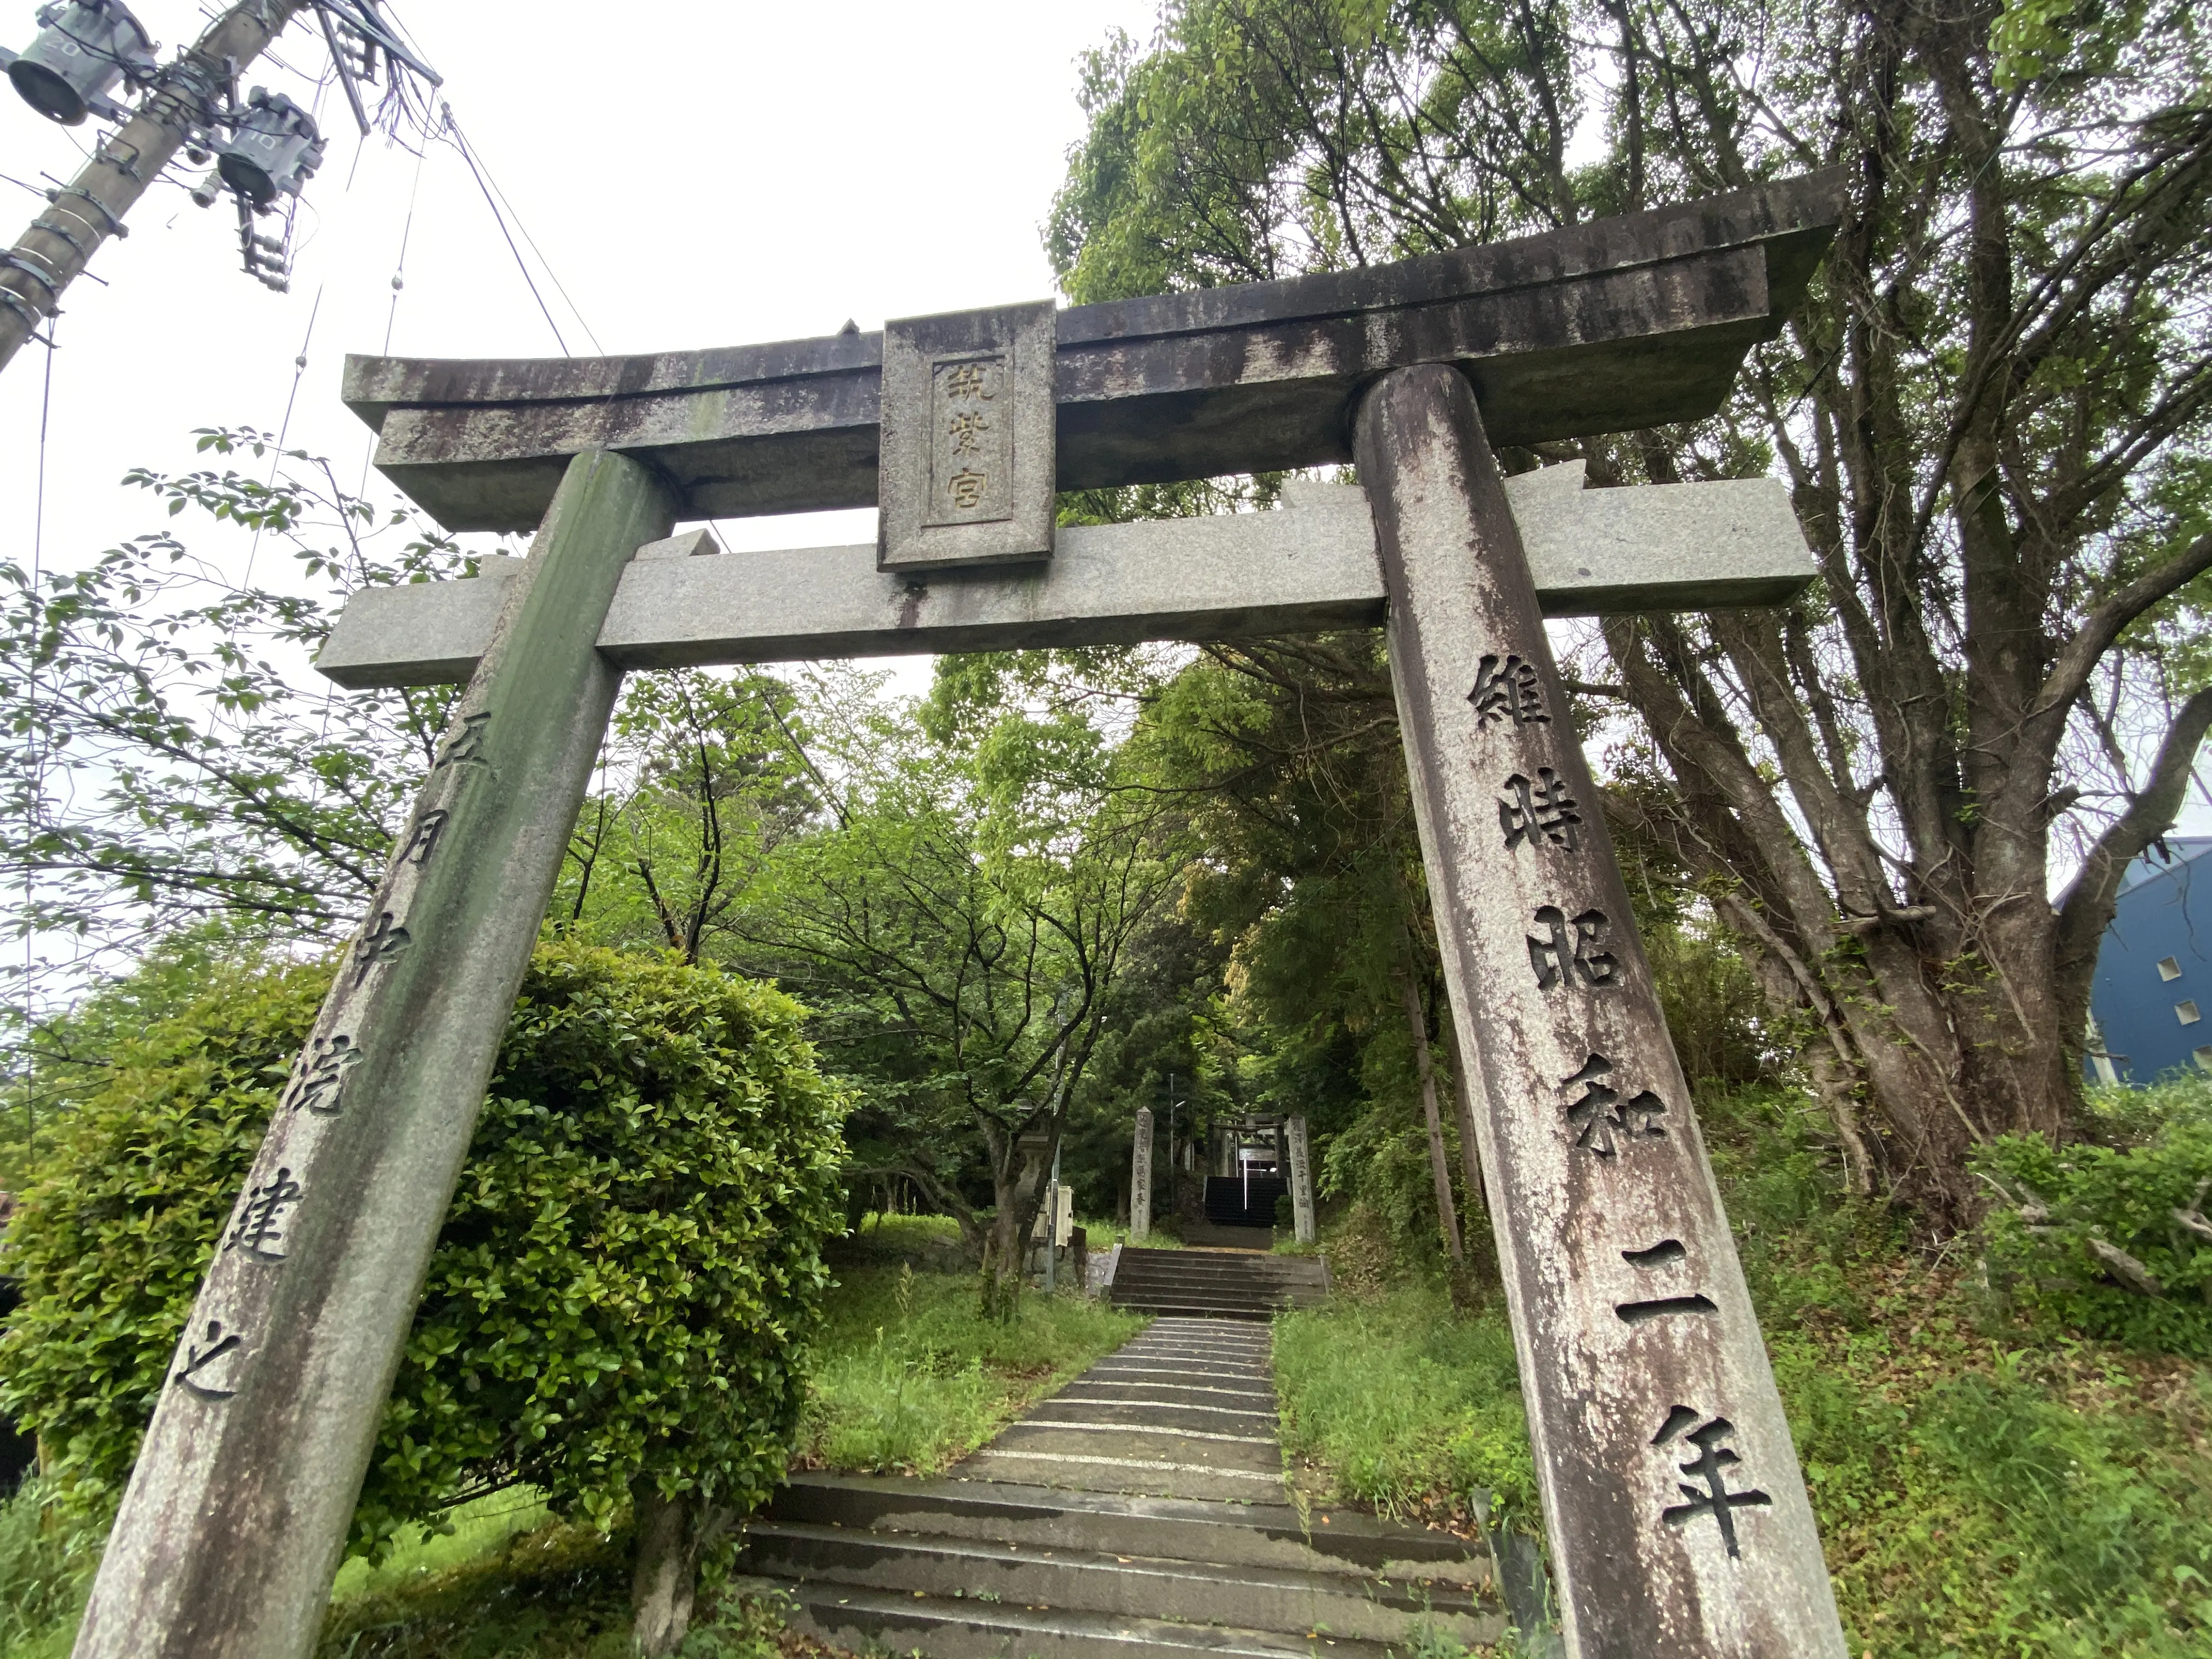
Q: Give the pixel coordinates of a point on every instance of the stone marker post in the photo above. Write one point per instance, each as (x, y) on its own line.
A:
(1140, 1176)
(1302, 1196)
(236, 1514)
(1678, 1522)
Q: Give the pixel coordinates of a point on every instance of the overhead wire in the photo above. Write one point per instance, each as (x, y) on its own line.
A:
(398, 287)
(284, 429)
(36, 787)
(480, 173)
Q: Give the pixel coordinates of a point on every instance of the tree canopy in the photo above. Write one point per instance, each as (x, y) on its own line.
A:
(1991, 410)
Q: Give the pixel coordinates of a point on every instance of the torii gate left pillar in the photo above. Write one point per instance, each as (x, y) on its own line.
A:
(1678, 1517)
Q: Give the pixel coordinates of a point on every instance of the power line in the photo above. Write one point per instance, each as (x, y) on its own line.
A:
(283, 430)
(32, 796)
(399, 285)
(552, 276)
(406, 232)
(521, 264)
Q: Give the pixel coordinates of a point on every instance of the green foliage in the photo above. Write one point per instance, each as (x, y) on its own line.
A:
(45, 1573)
(1803, 1245)
(959, 927)
(912, 1377)
(702, 778)
(2031, 1505)
(161, 767)
(1410, 1408)
(551, 1592)
(1724, 1027)
(625, 1285)
(2145, 1199)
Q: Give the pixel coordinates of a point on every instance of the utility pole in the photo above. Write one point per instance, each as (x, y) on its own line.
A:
(90, 208)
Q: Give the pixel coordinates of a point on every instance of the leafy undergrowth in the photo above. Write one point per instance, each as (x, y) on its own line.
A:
(1980, 1497)
(909, 1378)
(927, 1243)
(554, 1592)
(1394, 1404)
(1985, 1489)
(46, 1571)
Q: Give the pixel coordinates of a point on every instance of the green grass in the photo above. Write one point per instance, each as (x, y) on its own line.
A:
(46, 1571)
(1395, 1404)
(909, 1378)
(476, 1528)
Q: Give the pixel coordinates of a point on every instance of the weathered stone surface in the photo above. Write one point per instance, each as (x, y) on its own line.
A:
(966, 473)
(699, 544)
(1140, 1175)
(238, 1508)
(1309, 565)
(1302, 1192)
(1615, 324)
(1066, 1552)
(1677, 1518)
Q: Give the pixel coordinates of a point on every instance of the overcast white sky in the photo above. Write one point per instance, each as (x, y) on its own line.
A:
(696, 174)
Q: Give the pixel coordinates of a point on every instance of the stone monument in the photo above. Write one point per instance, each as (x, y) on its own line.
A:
(1140, 1175)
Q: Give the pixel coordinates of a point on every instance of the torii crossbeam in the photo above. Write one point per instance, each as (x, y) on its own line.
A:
(1677, 1518)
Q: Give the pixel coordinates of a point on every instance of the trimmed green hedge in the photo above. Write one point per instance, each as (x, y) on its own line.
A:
(627, 1285)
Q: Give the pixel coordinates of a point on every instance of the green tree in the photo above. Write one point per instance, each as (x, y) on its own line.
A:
(619, 1307)
(165, 784)
(1991, 410)
(701, 779)
(960, 928)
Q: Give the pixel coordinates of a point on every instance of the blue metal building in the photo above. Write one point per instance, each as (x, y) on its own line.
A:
(2152, 998)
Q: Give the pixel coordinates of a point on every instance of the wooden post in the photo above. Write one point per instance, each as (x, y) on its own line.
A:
(1677, 1518)
(1140, 1178)
(237, 1511)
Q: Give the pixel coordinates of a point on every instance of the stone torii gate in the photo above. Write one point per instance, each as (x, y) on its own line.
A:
(1677, 1518)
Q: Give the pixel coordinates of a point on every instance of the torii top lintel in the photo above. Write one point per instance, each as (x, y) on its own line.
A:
(1604, 326)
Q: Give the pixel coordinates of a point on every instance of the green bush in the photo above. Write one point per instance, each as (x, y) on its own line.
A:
(2041, 1247)
(626, 1285)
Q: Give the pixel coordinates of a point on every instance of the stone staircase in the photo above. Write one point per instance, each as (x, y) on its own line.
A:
(1216, 1284)
(1140, 1511)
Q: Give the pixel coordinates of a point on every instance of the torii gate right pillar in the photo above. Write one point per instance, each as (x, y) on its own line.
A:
(1678, 1522)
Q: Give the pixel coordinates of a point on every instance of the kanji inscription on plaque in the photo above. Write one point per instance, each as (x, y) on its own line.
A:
(967, 444)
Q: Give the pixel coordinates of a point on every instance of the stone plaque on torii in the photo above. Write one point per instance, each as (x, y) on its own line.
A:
(1677, 1518)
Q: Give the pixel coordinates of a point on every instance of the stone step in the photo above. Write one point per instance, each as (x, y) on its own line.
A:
(1236, 1534)
(876, 1621)
(1232, 1289)
(1262, 1260)
(1118, 1410)
(1274, 1599)
(1100, 1469)
(1172, 1302)
(1273, 1269)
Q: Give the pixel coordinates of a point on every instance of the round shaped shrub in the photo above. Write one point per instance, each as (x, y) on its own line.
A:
(623, 1291)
